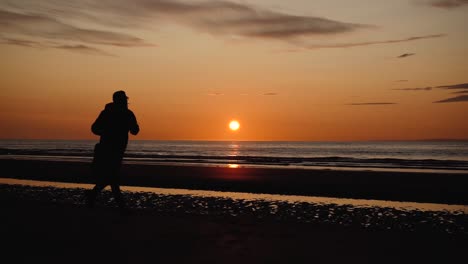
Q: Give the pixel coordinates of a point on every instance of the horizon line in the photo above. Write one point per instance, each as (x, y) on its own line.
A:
(231, 140)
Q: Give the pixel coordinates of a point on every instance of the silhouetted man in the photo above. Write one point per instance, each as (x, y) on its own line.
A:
(112, 125)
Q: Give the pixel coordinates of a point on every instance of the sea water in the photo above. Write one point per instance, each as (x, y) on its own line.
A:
(377, 155)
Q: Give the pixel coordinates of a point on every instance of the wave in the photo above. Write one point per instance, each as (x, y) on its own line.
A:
(306, 162)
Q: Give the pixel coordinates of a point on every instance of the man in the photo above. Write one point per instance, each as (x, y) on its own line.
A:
(112, 125)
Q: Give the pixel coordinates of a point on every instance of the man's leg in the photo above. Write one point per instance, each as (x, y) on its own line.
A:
(93, 193)
(115, 182)
(101, 183)
(118, 196)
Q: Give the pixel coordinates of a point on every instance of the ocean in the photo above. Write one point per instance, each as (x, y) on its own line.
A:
(426, 156)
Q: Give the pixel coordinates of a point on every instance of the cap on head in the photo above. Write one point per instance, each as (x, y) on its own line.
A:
(119, 96)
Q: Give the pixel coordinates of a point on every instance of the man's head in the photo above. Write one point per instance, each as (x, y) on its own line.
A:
(120, 98)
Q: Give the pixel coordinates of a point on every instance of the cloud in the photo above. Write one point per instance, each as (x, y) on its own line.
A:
(229, 18)
(45, 19)
(48, 19)
(373, 103)
(414, 89)
(401, 81)
(455, 86)
(448, 3)
(83, 49)
(34, 44)
(20, 42)
(405, 55)
(41, 26)
(460, 98)
(270, 94)
(391, 41)
(460, 92)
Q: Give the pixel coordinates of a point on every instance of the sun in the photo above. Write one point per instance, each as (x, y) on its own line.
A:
(234, 125)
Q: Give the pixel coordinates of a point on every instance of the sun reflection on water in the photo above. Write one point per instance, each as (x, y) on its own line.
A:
(233, 149)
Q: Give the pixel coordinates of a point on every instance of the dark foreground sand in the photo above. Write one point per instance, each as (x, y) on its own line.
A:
(37, 229)
(51, 225)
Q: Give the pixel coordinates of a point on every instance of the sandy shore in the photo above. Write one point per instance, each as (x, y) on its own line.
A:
(52, 225)
(41, 224)
(396, 186)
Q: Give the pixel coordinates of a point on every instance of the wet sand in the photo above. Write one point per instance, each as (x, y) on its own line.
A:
(51, 225)
(395, 186)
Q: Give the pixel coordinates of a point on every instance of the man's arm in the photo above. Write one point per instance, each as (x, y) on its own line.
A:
(98, 126)
(134, 127)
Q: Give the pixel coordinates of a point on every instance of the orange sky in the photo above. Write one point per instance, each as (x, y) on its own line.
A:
(295, 70)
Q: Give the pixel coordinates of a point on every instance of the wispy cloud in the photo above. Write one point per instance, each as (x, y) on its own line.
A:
(270, 94)
(40, 26)
(414, 89)
(35, 44)
(454, 86)
(405, 55)
(448, 3)
(391, 41)
(45, 19)
(401, 81)
(460, 98)
(372, 103)
(51, 19)
(461, 86)
(223, 17)
(83, 49)
(20, 42)
(460, 92)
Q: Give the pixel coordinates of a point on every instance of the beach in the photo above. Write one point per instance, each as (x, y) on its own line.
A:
(52, 224)
(234, 131)
(447, 188)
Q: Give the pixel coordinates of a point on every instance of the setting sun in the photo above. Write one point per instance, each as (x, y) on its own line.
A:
(234, 125)
(354, 118)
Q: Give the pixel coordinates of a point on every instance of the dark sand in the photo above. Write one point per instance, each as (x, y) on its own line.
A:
(51, 225)
(37, 229)
(395, 186)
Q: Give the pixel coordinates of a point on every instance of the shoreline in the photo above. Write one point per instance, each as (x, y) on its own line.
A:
(269, 163)
(290, 199)
(380, 185)
(356, 214)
